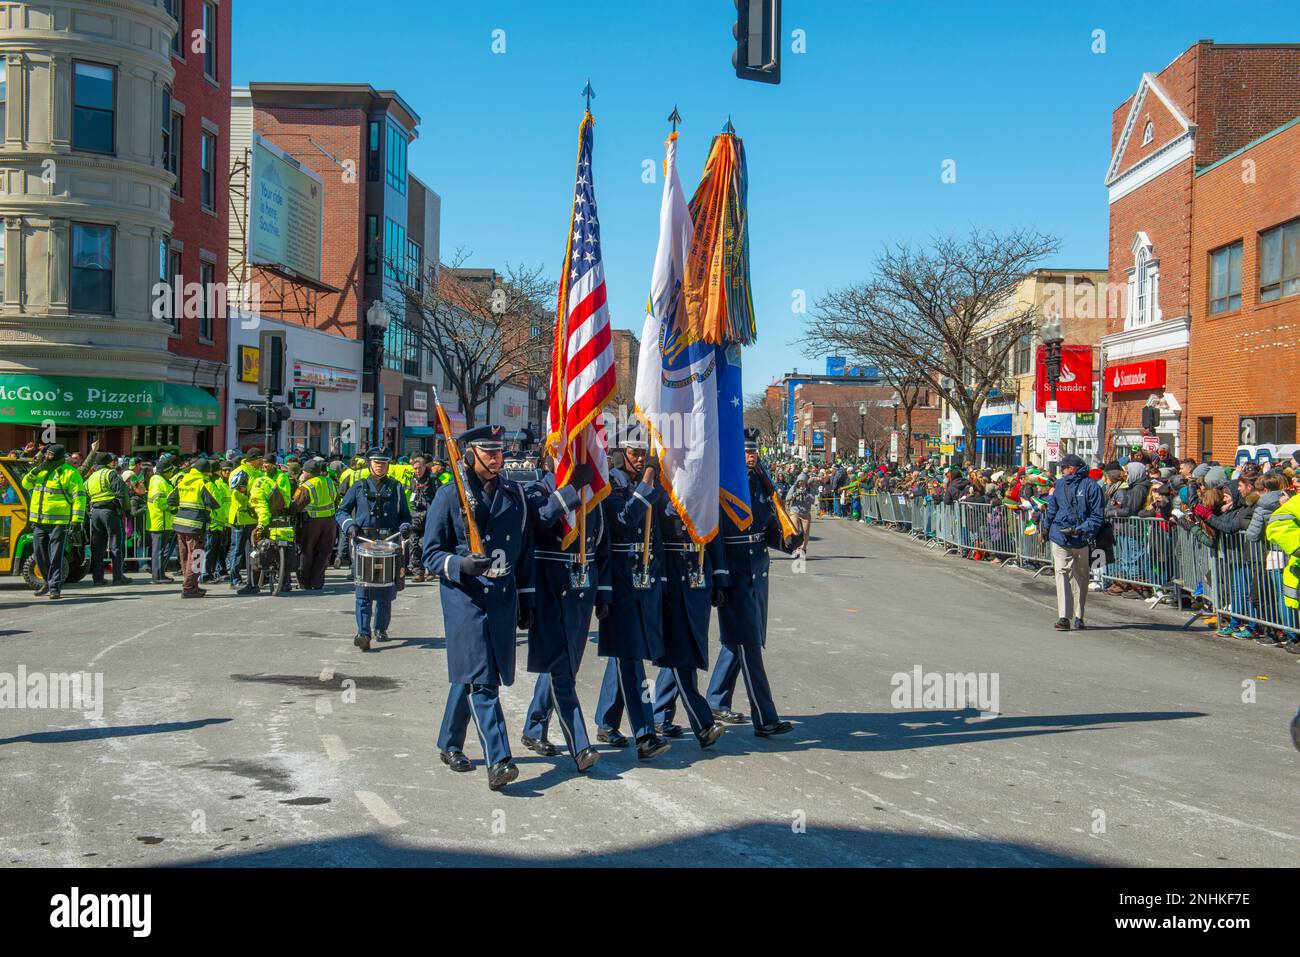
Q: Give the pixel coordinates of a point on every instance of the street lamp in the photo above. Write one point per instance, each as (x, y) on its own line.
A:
(1053, 337)
(835, 421)
(862, 428)
(377, 320)
(896, 400)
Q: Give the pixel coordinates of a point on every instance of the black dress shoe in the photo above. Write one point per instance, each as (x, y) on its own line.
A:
(362, 641)
(381, 635)
(728, 717)
(456, 760)
(612, 738)
(651, 746)
(501, 774)
(1062, 624)
(670, 730)
(711, 734)
(587, 759)
(540, 746)
(776, 727)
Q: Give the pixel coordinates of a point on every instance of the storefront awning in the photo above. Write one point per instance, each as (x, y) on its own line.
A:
(79, 400)
(418, 431)
(993, 424)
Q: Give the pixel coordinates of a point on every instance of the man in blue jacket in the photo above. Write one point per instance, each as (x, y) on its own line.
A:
(1075, 513)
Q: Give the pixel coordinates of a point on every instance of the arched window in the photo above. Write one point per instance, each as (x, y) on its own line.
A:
(1141, 310)
(1143, 284)
(1148, 133)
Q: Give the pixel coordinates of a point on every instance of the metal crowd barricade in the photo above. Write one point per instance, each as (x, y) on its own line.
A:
(902, 511)
(1192, 562)
(988, 529)
(1246, 582)
(1033, 551)
(948, 527)
(1145, 554)
(885, 502)
(870, 511)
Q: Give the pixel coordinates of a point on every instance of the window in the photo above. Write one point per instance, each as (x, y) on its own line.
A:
(396, 168)
(414, 255)
(175, 280)
(393, 337)
(177, 10)
(2, 260)
(172, 150)
(207, 170)
(4, 99)
(207, 277)
(394, 250)
(93, 98)
(1267, 429)
(1148, 133)
(91, 287)
(372, 158)
(1207, 438)
(1143, 285)
(1279, 262)
(1024, 347)
(1225, 279)
(210, 40)
(372, 245)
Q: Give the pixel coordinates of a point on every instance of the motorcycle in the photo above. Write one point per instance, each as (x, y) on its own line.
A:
(275, 557)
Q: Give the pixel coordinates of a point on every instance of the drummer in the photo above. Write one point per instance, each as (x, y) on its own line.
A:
(374, 507)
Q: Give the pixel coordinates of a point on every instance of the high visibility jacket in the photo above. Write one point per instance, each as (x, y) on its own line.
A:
(105, 487)
(285, 483)
(240, 509)
(1283, 530)
(268, 500)
(58, 495)
(221, 514)
(160, 514)
(194, 503)
(321, 490)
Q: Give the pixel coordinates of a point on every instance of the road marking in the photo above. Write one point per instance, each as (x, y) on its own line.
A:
(1230, 820)
(323, 706)
(379, 809)
(334, 749)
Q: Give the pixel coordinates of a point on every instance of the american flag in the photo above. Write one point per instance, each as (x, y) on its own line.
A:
(582, 371)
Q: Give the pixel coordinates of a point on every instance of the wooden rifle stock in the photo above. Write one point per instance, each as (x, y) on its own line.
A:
(454, 457)
(787, 523)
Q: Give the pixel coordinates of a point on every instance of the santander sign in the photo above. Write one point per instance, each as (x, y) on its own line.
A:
(1137, 375)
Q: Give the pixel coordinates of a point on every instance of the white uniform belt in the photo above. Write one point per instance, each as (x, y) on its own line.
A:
(567, 557)
(745, 539)
(680, 547)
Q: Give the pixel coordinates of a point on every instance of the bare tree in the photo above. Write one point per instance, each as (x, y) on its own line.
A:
(484, 329)
(943, 317)
(762, 415)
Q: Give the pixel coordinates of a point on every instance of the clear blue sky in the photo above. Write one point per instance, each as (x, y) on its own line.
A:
(844, 155)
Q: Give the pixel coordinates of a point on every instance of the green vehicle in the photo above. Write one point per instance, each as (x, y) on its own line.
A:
(16, 556)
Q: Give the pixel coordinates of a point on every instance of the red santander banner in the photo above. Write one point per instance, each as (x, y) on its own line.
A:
(1136, 376)
(1074, 389)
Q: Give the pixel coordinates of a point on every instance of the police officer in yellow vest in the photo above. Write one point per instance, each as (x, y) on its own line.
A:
(270, 503)
(56, 501)
(194, 502)
(242, 520)
(159, 524)
(218, 539)
(316, 502)
(1283, 530)
(110, 501)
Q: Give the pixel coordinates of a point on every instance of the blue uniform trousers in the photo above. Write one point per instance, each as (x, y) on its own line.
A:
(734, 660)
(374, 604)
(557, 690)
(623, 686)
(672, 682)
(241, 537)
(483, 704)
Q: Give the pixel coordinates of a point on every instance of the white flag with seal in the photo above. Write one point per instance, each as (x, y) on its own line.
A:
(676, 387)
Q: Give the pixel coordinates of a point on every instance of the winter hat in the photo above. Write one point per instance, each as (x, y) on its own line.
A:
(1216, 477)
(1095, 474)
(1200, 471)
(1134, 472)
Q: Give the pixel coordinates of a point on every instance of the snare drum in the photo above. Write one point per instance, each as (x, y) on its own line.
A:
(376, 564)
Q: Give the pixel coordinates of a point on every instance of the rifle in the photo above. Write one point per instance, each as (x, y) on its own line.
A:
(453, 455)
(787, 524)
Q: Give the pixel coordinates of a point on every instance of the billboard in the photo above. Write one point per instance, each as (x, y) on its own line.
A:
(1074, 389)
(834, 365)
(286, 210)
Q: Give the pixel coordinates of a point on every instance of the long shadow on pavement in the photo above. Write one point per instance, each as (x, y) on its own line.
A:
(123, 731)
(773, 844)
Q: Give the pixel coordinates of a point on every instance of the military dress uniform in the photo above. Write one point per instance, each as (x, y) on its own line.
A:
(695, 580)
(561, 620)
(632, 632)
(375, 510)
(480, 605)
(742, 618)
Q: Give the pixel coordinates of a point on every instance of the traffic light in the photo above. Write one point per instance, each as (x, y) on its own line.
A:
(1150, 419)
(758, 40)
(270, 362)
(280, 414)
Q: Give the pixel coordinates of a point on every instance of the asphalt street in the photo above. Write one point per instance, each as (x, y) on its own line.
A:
(250, 731)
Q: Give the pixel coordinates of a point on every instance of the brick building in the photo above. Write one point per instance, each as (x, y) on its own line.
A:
(1245, 366)
(864, 410)
(627, 356)
(196, 151)
(1211, 101)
